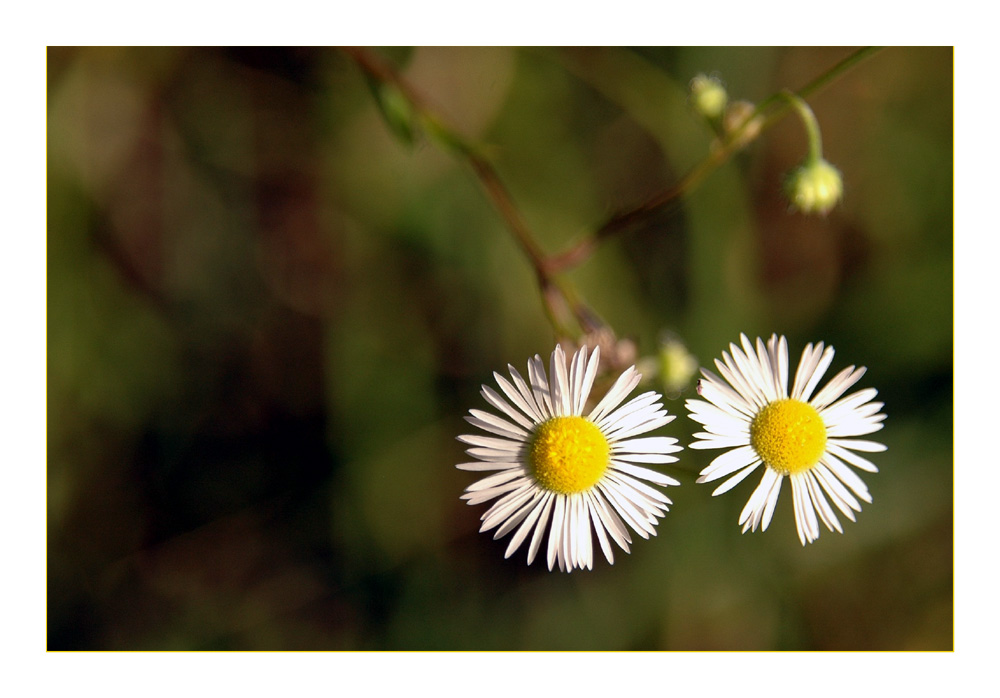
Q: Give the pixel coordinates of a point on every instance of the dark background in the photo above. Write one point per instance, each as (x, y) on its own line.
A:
(267, 315)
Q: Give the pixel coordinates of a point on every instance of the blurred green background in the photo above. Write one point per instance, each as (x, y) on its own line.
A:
(267, 316)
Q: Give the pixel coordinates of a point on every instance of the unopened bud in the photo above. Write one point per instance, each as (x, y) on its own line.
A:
(677, 365)
(815, 187)
(671, 368)
(740, 119)
(708, 96)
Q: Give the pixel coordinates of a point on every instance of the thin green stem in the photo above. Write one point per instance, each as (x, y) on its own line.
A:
(767, 113)
(836, 71)
(776, 106)
(811, 126)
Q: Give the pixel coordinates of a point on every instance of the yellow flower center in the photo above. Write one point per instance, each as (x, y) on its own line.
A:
(788, 435)
(568, 454)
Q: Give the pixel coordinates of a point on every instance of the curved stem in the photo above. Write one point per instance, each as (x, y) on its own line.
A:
(811, 125)
(737, 140)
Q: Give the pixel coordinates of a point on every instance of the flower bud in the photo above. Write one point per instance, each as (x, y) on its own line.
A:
(815, 187)
(708, 97)
(672, 367)
(738, 118)
(677, 365)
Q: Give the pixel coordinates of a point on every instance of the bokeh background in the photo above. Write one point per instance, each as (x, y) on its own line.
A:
(267, 315)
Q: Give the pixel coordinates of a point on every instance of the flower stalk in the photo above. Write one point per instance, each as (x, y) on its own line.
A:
(813, 135)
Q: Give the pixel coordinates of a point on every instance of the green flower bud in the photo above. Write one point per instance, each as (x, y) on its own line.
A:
(677, 365)
(815, 187)
(708, 97)
(672, 367)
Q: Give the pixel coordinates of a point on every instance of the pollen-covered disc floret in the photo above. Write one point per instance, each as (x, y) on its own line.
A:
(788, 435)
(808, 439)
(561, 471)
(568, 454)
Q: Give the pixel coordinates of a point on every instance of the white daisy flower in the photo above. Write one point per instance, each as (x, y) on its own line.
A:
(560, 470)
(807, 439)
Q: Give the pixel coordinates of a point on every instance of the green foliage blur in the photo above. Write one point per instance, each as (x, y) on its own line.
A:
(268, 313)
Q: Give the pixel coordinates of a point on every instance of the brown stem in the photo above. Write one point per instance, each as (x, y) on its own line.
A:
(551, 289)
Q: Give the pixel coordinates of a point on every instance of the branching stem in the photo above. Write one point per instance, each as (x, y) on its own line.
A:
(556, 292)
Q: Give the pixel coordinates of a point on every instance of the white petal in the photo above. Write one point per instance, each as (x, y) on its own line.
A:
(527, 525)
(567, 546)
(742, 384)
(623, 386)
(805, 514)
(515, 396)
(823, 509)
(626, 481)
(715, 419)
(644, 473)
(634, 406)
(645, 457)
(492, 454)
(588, 380)
(646, 508)
(529, 397)
(496, 425)
(543, 518)
(559, 382)
(750, 368)
(540, 385)
(715, 441)
(510, 513)
(769, 370)
(649, 444)
(555, 529)
(836, 387)
(473, 498)
(722, 395)
(728, 462)
(778, 351)
(770, 504)
(585, 553)
(770, 482)
(811, 370)
(852, 458)
(493, 443)
(858, 445)
(622, 425)
(853, 427)
(577, 365)
(518, 493)
(497, 479)
(494, 399)
(851, 402)
(843, 499)
(735, 480)
(612, 522)
(632, 516)
(488, 465)
(846, 475)
(640, 423)
(602, 536)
